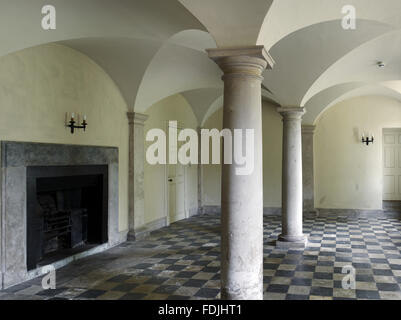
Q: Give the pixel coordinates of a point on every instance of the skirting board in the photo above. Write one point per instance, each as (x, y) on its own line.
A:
(217, 210)
(145, 230)
(210, 209)
(358, 213)
(270, 211)
(193, 212)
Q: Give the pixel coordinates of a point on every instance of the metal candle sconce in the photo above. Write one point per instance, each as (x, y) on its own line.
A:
(368, 140)
(72, 122)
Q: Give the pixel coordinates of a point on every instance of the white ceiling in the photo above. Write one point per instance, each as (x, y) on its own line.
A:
(155, 48)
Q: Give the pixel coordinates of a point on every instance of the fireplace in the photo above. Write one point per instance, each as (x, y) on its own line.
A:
(67, 210)
(58, 203)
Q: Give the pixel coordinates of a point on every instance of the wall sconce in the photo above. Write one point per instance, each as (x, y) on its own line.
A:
(368, 140)
(72, 123)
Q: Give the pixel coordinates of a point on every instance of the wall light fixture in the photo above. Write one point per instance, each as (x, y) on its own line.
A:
(368, 139)
(72, 122)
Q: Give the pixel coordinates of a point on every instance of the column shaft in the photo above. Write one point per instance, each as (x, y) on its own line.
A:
(136, 194)
(242, 195)
(292, 195)
(200, 174)
(308, 168)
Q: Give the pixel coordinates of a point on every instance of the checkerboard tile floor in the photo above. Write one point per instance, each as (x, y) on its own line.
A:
(182, 262)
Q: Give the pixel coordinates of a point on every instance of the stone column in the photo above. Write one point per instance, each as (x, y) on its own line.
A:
(307, 168)
(292, 235)
(242, 195)
(136, 194)
(2, 262)
(200, 173)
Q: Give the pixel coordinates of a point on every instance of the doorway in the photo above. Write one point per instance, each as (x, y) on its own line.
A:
(391, 168)
(176, 179)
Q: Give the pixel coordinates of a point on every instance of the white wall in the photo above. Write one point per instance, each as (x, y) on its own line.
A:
(39, 85)
(174, 108)
(348, 174)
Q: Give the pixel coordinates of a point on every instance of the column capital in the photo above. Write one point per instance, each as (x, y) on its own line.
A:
(308, 129)
(248, 61)
(136, 118)
(291, 112)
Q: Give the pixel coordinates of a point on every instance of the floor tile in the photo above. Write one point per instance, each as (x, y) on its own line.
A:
(182, 261)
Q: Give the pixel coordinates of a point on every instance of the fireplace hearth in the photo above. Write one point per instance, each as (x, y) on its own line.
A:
(66, 211)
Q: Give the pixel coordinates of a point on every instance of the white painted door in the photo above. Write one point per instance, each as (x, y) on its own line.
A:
(176, 181)
(176, 190)
(392, 164)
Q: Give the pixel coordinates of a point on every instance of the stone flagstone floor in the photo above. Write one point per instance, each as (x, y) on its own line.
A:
(182, 262)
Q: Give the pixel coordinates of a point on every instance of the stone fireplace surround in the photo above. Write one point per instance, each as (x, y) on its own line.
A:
(15, 158)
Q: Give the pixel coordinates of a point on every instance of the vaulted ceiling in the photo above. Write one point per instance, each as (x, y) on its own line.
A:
(155, 48)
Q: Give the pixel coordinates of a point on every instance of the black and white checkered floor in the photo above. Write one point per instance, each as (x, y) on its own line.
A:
(182, 262)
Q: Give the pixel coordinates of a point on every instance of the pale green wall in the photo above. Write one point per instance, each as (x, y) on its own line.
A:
(211, 173)
(174, 108)
(348, 174)
(272, 154)
(39, 85)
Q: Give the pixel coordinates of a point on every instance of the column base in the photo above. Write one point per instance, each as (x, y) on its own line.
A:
(255, 293)
(291, 242)
(136, 235)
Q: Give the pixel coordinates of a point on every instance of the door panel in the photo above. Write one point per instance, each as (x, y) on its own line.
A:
(176, 187)
(389, 158)
(389, 138)
(399, 157)
(392, 164)
(389, 184)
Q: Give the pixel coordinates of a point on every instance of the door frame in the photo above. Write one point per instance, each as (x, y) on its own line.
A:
(383, 132)
(166, 184)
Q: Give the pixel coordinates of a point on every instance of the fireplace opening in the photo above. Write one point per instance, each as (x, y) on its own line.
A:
(66, 213)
